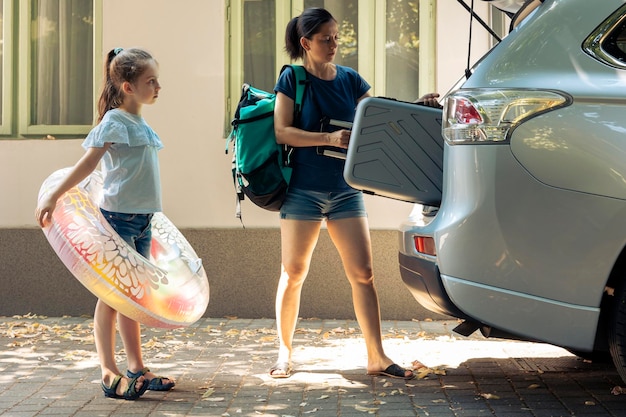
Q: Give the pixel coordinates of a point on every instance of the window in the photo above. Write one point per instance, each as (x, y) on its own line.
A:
(499, 22)
(396, 54)
(607, 43)
(5, 65)
(47, 67)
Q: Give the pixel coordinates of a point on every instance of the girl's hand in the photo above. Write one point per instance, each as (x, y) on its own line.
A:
(429, 100)
(79, 172)
(339, 138)
(44, 211)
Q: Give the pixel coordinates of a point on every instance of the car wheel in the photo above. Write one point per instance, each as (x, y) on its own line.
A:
(617, 332)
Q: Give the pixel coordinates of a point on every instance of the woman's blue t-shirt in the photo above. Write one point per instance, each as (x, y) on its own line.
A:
(335, 99)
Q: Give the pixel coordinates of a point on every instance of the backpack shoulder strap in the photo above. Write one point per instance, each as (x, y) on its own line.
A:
(301, 81)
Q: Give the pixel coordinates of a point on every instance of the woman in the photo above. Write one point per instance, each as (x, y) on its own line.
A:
(317, 190)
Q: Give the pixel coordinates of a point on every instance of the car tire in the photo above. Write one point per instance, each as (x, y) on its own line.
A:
(617, 332)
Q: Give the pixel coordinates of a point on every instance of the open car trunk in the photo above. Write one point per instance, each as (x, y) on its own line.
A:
(396, 148)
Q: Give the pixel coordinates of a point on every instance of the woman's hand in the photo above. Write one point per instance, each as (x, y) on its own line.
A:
(339, 138)
(429, 100)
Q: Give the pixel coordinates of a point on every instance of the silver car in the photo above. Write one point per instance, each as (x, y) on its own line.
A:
(529, 238)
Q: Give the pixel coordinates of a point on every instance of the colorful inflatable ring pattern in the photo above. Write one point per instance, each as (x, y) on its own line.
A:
(170, 290)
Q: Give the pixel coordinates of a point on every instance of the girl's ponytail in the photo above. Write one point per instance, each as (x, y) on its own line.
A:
(110, 97)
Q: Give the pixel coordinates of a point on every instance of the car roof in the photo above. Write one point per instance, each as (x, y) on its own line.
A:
(549, 41)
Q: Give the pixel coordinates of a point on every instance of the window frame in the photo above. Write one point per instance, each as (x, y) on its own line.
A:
(20, 125)
(8, 95)
(596, 42)
(499, 22)
(372, 14)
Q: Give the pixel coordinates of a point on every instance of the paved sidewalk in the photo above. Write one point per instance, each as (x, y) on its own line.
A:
(48, 367)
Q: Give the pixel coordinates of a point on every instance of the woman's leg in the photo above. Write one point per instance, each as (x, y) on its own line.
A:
(352, 239)
(298, 240)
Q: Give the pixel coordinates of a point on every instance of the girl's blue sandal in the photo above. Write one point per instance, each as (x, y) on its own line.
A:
(131, 393)
(156, 384)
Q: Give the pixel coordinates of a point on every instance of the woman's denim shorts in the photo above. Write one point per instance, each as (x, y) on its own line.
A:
(316, 206)
(135, 229)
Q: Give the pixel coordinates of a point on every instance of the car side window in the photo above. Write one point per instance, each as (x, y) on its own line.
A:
(615, 43)
(607, 43)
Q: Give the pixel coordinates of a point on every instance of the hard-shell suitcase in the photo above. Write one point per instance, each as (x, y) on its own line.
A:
(396, 151)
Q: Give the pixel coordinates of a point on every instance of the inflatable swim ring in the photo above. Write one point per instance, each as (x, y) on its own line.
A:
(170, 290)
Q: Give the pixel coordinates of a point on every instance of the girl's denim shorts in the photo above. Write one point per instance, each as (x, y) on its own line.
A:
(135, 229)
(318, 205)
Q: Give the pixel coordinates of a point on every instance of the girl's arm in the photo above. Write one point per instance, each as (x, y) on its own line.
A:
(287, 134)
(85, 166)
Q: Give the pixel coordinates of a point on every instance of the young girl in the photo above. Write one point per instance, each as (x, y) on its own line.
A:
(128, 148)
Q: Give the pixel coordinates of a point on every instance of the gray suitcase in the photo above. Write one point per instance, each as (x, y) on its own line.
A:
(396, 151)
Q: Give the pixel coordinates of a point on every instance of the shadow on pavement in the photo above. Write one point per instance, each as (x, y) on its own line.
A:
(49, 366)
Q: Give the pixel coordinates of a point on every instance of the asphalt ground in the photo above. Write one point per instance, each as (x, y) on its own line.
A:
(48, 367)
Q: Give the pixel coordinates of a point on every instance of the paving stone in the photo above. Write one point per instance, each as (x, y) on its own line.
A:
(48, 367)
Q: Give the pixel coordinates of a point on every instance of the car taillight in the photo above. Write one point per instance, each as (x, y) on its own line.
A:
(490, 115)
(425, 245)
(465, 112)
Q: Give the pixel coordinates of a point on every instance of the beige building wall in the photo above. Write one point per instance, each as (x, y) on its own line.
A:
(187, 38)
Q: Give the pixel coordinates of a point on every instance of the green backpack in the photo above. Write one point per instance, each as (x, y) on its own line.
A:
(261, 168)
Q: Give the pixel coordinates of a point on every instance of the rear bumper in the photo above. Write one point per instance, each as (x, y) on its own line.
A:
(423, 280)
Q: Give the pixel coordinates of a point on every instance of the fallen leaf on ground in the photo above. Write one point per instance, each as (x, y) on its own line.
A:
(370, 410)
(208, 392)
(418, 365)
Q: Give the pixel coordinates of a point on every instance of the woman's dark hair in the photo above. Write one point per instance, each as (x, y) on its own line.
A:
(306, 25)
(121, 65)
